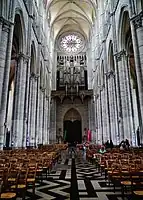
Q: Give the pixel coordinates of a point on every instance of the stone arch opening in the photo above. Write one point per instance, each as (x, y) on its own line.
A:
(72, 126)
(111, 57)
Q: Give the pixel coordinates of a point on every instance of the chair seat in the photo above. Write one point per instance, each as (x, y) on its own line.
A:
(19, 186)
(31, 180)
(117, 177)
(139, 192)
(11, 179)
(8, 195)
(39, 170)
(127, 183)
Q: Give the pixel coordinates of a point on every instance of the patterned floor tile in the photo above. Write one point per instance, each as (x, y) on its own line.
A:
(75, 179)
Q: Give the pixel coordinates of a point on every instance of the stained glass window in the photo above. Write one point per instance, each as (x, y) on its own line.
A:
(71, 43)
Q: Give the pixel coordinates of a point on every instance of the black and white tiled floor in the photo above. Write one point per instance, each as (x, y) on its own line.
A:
(75, 179)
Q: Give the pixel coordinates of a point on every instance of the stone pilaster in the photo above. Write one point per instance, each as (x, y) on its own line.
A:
(91, 118)
(99, 121)
(108, 107)
(112, 107)
(48, 118)
(44, 117)
(104, 114)
(37, 114)
(26, 106)
(40, 140)
(33, 90)
(52, 135)
(0, 29)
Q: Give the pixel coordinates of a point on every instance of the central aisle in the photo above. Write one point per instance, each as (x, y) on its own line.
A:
(75, 179)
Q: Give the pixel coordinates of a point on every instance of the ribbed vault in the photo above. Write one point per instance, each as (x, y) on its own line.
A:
(71, 15)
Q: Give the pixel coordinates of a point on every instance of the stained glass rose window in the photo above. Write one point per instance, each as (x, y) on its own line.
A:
(71, 43)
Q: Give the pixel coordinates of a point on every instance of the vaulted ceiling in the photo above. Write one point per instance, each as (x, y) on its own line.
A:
(71, 15)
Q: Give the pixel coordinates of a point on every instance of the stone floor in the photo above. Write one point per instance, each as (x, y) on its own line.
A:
(75, 179)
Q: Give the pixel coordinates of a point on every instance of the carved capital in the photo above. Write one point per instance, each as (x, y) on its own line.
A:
(96, 96)
(23, 56)
(110, 73)
(33, 75)
(43, 89)
(120, 54)
(5, 28)
(5, 24)
(138, 20)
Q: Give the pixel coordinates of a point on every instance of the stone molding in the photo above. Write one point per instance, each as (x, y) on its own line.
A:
(138, 20)
(120, 54)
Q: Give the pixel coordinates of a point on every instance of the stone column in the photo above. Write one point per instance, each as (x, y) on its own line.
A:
(99, 120)
(3, 51)
(104, 103)
(133, 129)
(96, 119)
(108, 106)
(101, 114)
(5, 59)
(1, 23)
(32, 102)
(44, 117)
(137, 32)
(52, 134)
(37, 114)
(116, 81)
(91, 117)
(112, 100)
(46, 121)
(125, 118)
(19, 97)
(27, 88)
(127, 88)
(40, 116)
(26, 106)
(48, 118)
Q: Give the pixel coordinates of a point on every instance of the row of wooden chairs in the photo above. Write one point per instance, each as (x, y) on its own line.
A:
(125, 169)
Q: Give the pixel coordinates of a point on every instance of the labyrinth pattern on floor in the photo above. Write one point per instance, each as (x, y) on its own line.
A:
(75, 179)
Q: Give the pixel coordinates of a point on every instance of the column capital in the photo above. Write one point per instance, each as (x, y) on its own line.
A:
(24, 56)
(110, 73)
(47, 98)
(138, 20)
(5, 21)
(120, 54)
(37, 76)
(5, 28)
(32, 75)
(43, 89)
(96, 96)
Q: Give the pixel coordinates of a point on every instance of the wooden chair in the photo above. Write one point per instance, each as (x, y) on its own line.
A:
(31, 177)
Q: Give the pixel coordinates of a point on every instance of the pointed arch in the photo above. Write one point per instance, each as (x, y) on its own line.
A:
(111, 62)
(72, 114)
(33, 58)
